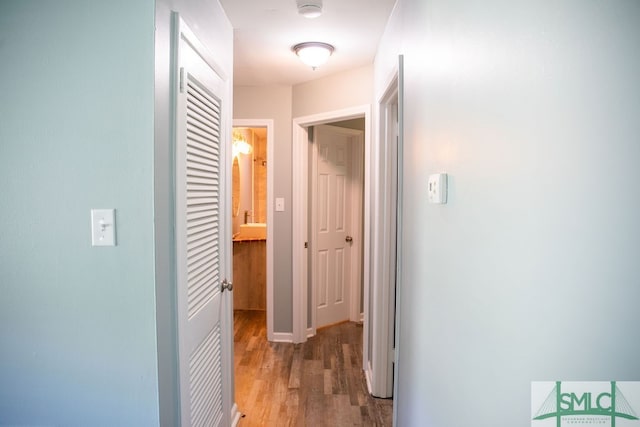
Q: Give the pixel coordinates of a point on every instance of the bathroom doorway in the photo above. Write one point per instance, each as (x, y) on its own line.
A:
(252, 215)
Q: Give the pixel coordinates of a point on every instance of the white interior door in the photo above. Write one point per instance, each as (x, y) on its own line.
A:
(332, 222)
(200, 244)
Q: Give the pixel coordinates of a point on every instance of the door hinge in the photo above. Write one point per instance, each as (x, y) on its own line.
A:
(181, 79)
(306, 245)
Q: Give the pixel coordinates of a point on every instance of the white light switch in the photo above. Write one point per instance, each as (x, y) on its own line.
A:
(437, 188)
(279, 204)
(103, 227)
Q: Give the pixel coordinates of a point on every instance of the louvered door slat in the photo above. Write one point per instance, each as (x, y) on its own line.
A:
(200, 142)
(200, 124)
(206, 375)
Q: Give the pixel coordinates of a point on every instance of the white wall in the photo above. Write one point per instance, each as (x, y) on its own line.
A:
(351, 88)
(530, 271)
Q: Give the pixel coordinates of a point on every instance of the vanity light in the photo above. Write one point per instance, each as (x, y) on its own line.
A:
(241, 147)
(313, 54)
(240, 144)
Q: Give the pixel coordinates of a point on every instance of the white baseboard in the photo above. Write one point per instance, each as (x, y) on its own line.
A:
(235, 415)
(282, 337)
(310, 332)
(367, 376)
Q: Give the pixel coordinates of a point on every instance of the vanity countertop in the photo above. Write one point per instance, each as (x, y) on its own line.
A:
(248, 239)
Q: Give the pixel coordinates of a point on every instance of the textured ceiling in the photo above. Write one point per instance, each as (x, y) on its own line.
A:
(265, 31)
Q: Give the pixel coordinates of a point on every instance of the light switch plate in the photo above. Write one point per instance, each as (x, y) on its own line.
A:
(437, 188)
(103, 227)
(279, 204)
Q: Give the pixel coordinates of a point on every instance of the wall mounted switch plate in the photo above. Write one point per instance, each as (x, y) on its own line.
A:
(103, 227)
(279, 204)
(437, 188)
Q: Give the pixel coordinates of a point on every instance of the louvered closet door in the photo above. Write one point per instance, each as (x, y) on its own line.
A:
(199, 243)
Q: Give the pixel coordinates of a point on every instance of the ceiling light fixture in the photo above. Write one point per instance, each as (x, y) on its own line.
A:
(309, 8)
(313, 54)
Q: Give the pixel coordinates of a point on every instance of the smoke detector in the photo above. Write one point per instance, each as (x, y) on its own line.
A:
(309, 8)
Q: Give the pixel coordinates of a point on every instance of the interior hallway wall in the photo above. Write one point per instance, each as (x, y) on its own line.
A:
(77, 323)
(274, 102)
(530, 271)
(87, 333)
(351, 88)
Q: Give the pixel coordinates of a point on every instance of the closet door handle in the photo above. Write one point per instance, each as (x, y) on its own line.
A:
(348, 239)
(226, 285)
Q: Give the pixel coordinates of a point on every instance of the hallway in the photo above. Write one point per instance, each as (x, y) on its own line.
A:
(316, 383)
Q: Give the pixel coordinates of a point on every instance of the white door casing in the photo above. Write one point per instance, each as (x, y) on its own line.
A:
(302, 329)
(202, 246)
(380, 353)
(331, 219)
(269, 124)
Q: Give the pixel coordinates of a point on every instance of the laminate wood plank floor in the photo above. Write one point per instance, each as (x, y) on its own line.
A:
(316, 383)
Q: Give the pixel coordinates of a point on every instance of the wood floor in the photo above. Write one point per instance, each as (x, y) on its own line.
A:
(316, 383)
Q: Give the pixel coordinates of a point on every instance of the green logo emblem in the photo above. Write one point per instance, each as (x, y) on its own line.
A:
(587, 404)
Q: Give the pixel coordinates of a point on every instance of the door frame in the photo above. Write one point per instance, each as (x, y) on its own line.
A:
(303, 325)
(181, 31)
(356, 193)
(379, 358)
(269, 124)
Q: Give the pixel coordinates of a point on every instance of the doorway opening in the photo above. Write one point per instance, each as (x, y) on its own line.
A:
(304, 319)
(335, 249)
(252, 218)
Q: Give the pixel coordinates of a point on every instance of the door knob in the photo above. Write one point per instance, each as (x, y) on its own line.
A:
(348, 239)
(226, 285)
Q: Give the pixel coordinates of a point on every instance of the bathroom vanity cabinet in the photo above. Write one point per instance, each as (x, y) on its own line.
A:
(249, 274)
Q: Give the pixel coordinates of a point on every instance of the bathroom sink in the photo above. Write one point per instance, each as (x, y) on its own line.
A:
(254, 230)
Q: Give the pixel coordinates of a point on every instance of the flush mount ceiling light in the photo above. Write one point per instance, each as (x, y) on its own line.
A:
(309, 8)
(313, 54)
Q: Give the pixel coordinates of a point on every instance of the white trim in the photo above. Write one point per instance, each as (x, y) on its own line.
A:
(378, 364)
(269, 124)
(398, 292)
(235, 415)
(367, 377)
(357, 194)
(190, 38)
(300, 212)
(300, 153)
(223, 90)
(282, 337)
